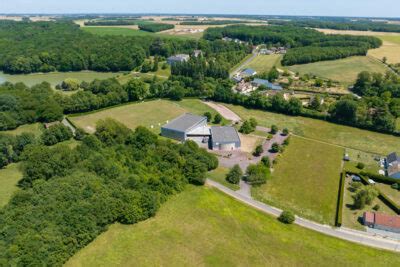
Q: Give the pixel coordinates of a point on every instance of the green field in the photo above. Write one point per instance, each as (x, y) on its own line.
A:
(55, 78)
(346, 136)
(9, 178)
(203, 227)
(152, 113)
(264, 63)
(342, 70)
(34, 128)
(219, 175)
(133, 32)
(305, 180)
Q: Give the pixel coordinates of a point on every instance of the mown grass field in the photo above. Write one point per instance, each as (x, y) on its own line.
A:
(34, 128)
(203, 227)
(219, 175)
(390, 49)
(305, 180)
(153, 113)
(341, 70)
(9, 178)
(264, 63)
(346, 136)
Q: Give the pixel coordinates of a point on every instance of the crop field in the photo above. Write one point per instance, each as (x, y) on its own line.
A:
(350, 137)
(341, 70)
(264, 63)
(305, 180)
(9, 178)
(216, 230)
(148, 114)
(390, 49)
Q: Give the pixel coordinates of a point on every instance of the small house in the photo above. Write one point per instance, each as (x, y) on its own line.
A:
(382, 221)
(180, 58)
(393, 165)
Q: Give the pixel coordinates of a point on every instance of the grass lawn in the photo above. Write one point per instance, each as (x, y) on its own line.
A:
(9, 178)
(346, 136)
(351, 217)
(305, 180)
(34, 128)
(203, 227)
(342, 70)
(219, 174)
(393, 194)
(241, 62)
(153, 113)
(264, 63)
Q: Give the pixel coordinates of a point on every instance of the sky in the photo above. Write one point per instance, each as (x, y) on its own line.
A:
(356, 8)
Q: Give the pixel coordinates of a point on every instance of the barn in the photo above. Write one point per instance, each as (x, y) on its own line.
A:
(186, 126)
(224, 138)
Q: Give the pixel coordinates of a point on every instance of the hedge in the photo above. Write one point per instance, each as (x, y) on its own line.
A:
(339, 209)
(381, 178)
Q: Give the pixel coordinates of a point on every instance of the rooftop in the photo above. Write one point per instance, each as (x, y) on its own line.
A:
(387, 220)
(249, 72)
(179, 57)
(184, 122)
(392, 158)
(267, 84)
(224, 134)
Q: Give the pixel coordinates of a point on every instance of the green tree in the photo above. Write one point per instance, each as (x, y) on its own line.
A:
(275, 148)
(136, 89)
(364, 196)
(217, 118)
(234, 175)
(257, 174)
(273, 74)
(287, 217)
(274, 129)
(258, 151)
(208, 115)
(266, 161)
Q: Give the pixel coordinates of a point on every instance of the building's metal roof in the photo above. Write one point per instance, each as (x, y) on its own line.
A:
(184, 122)
(224, 134)
(249, 72)
(267, 84)
(392, 158)
(179, 57)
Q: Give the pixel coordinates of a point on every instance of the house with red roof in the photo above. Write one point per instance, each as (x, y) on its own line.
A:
(382, 221)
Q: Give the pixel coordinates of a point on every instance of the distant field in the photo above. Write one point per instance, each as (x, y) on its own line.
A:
(34, 128)
(264, 63)
(203, 227)
(146, 114)
(9, 178)
(390, 49)
(366, 33)
(132, 32)
(305, 180)
(342, 70)
(325, 131)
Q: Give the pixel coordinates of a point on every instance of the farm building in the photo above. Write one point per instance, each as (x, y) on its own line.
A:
(224, 138)
(182, 127)
(260, 82)
(248, 73)
(382, 221)
(193, 127)
(178, 59)
(393, 165)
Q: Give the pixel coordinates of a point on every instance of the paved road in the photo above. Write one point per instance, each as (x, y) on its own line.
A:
(238, 69)
(224, 111)
(342, 233)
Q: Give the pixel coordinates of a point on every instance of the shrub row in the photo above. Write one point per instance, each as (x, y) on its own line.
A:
(339, 209)
(380, 178)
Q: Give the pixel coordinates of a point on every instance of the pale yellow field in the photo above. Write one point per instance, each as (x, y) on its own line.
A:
(330, 31)
(390, 50)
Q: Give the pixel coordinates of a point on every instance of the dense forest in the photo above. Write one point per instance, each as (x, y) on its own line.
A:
(156, 27)
(305, 45)
(345, 24)
(69, 196)
(117, 22)
(27, 47)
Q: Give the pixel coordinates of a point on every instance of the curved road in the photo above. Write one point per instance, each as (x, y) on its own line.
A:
(342, 233)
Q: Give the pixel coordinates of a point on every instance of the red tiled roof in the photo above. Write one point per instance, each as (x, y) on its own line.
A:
(369, 217)
(387, 220)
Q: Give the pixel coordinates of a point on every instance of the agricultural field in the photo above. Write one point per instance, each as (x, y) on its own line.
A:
(219, 175)
(341, 70)
(216, 230)
(390, 49)
(305, 180)
(9, 177)
(264, 63)
(351, 217)
(35, 128)
(55, 78)
(152, 113)
(349, 137)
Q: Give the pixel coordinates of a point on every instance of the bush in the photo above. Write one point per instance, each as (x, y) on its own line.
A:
(287, 217)
(246, 128)
(208, 115)
(266, 161)
(217, 119)
(286, 141)
(376, 207)
(364, 196)
(395, 186)
(234, 175)
(258, 151)
(285, 131)
(257, 174)
(275, 148)
(274, 129)
(360, 165)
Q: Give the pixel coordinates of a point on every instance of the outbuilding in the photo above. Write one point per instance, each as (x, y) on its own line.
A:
(224, 138)
(186, 126)
(382, 221)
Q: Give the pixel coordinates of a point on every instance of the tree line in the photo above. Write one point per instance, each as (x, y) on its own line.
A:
(156, 27)
(305, 45)
(69, 196)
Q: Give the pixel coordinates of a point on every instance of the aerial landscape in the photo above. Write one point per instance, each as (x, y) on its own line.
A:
(199, 133)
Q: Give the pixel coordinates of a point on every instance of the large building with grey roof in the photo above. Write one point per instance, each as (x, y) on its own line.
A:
(193, 127)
